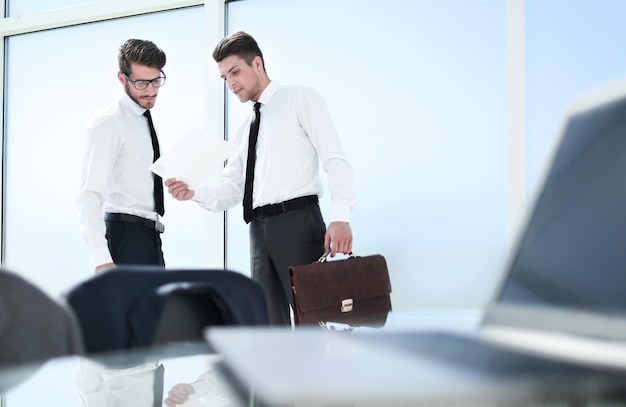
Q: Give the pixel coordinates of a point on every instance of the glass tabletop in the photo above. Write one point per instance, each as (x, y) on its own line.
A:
(176, 373)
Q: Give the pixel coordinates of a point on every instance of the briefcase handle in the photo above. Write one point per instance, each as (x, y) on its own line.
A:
(325, 255)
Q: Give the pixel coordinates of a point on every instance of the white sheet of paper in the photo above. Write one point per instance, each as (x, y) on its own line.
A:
(193, 158)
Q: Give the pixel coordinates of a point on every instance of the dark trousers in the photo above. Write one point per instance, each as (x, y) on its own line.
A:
(133, 243)
(277, 242)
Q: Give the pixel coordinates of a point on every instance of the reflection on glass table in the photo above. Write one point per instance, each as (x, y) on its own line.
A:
(178, 374)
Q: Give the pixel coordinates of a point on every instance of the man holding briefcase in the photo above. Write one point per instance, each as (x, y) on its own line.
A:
(275, 173)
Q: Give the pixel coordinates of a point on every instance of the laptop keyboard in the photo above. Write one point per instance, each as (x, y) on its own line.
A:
(472, 353)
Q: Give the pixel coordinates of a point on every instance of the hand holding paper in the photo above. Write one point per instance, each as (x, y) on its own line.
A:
(194, 158)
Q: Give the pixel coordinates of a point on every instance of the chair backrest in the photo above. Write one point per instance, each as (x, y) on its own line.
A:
(179, 312)
(132, 307)
(33, 326)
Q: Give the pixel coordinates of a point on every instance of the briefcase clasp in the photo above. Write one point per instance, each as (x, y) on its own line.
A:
(346, 305)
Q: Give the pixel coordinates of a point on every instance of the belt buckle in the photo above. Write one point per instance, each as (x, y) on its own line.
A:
(159, 227)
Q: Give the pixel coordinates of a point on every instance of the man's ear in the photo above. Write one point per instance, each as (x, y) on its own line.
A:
(120, 77)
(258, 62)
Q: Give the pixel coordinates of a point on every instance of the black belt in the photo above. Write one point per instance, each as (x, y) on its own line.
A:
(124, 217)
(286, 206)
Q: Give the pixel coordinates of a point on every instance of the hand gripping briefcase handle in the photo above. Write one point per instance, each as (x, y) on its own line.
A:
(355, 291)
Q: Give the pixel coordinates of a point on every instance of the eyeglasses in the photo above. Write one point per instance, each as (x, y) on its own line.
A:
(143, 83)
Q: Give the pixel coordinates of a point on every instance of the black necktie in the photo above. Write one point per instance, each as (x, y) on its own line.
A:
(158, 181)
(247, 192)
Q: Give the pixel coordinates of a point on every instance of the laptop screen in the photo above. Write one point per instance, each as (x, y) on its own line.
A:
(573, 251)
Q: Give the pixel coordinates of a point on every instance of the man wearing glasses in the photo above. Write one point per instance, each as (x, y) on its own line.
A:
(121, 201)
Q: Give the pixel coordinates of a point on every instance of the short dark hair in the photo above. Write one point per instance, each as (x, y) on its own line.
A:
(241, 44)
(140, 52)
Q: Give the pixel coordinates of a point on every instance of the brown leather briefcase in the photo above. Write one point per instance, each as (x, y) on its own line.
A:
(353, 291)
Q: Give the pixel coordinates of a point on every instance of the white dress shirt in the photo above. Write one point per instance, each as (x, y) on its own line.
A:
(115, 175)
(296, 134)
(99, 386)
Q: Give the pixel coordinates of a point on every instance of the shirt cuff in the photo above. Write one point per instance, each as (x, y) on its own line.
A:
(341, 213)
(200, 194)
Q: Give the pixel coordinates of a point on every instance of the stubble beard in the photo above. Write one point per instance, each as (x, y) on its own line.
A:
(136, 99)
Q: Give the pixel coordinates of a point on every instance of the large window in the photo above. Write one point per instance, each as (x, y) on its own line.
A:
(58, 79)
(572, 47)
(417, 90)
(21, 7)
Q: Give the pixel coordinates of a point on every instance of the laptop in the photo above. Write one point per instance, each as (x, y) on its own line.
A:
(554, 332)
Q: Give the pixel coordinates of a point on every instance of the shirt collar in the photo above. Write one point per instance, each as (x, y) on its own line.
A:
(127, 102)
(268, 92)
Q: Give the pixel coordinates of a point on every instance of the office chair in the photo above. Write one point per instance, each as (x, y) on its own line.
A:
(33, 329)
(129, 315)
(133, 307)
(33, 326)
